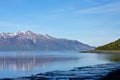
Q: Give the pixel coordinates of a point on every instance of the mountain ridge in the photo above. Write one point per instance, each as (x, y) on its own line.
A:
(112, 47)
(115, 45)
(28, 40)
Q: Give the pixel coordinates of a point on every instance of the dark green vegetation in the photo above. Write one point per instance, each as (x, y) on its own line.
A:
(111, 46)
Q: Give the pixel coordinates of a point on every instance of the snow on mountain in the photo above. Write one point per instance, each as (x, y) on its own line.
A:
(28, 40)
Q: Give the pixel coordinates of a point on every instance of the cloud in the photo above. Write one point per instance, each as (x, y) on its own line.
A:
(108, 8)
(14, 25)
(93, 2)
(62, 10)
(98, 2)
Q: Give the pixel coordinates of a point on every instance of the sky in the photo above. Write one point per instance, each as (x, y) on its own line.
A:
(94, 22)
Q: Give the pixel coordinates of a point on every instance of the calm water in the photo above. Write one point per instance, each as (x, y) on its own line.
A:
(26, 63)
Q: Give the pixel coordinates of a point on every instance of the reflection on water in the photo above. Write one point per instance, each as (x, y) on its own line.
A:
(28, 62)
(114, 57)
(24, 63)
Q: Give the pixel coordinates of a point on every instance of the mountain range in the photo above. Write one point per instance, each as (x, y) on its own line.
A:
(28, 40)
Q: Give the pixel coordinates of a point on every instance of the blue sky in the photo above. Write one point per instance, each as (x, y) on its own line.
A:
(94, 22)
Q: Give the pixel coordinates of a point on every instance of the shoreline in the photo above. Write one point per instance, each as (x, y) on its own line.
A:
(95, 72)
(115, 75)
(101, 51)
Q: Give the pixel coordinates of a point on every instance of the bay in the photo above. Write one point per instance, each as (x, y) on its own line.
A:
(26, 63)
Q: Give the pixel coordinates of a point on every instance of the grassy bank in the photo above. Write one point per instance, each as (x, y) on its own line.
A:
(102, 51)
(105, 51)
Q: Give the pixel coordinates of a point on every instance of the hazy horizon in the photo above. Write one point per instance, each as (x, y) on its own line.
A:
(93, 22)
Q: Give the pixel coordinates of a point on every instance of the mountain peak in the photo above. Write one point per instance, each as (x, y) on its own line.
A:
(29, 32)
(25, 32)
(28, 40)
(48, 36)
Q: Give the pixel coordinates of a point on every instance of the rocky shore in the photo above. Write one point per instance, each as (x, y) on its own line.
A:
(115, 75)
(110, 71)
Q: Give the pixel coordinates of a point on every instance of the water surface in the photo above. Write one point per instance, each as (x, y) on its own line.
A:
(26, 63)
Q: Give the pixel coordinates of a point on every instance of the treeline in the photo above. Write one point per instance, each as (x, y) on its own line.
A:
(111, 46)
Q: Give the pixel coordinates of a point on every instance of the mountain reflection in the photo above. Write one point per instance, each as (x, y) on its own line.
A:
(28, 62)
(114, 57)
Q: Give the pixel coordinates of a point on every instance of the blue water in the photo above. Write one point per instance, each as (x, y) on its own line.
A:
(26, 63)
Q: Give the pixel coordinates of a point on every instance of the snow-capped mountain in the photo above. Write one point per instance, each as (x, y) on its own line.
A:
(28, 40)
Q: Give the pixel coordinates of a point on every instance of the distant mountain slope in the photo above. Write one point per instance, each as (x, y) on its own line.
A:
(111, 46)
(32, 41)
